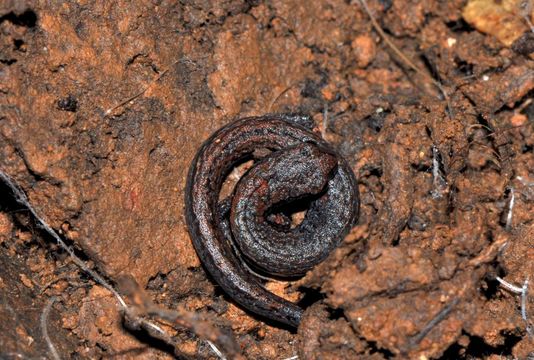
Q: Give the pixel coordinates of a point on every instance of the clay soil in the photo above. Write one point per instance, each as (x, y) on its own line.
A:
(103, 106)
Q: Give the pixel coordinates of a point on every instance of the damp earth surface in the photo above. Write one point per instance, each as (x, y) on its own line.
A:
(103, 106)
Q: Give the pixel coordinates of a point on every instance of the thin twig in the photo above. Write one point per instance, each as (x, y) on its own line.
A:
(401, 55)
(145, 89)
(135, 322)
(22, 199)
(44, 329)
(440, 316)
(192, 321)
(278, 97)
(511, 203)
(499, 132)
(523, 106)
(510, 287)
(130, 313)
(523, 290)
(439, 181)
(524, 300)
(473, 126)
(216, 350)
(133, 97)
(489, 253)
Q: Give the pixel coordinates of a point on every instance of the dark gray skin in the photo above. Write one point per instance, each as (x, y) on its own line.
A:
(313, 168)
(283, 177)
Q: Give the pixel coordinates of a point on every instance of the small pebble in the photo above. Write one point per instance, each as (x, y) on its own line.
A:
(518, 119)
(364, 49)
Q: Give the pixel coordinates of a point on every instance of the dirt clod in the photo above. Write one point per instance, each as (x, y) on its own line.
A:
(102, 109)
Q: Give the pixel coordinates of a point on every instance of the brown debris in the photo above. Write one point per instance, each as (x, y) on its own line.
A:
(502, 19)
(416, 276)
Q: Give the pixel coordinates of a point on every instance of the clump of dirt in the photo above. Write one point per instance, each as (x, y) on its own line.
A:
(103, 107)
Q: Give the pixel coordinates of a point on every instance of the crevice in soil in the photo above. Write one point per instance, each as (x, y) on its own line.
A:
(479, 349)
(27, 19)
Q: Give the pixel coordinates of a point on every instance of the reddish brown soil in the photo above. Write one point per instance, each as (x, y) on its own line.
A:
(103, 106)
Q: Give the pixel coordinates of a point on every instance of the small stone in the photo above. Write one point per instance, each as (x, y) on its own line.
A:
(364, 49)
(518, 119)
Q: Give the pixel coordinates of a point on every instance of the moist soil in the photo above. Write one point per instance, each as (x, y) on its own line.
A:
(103, 106)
